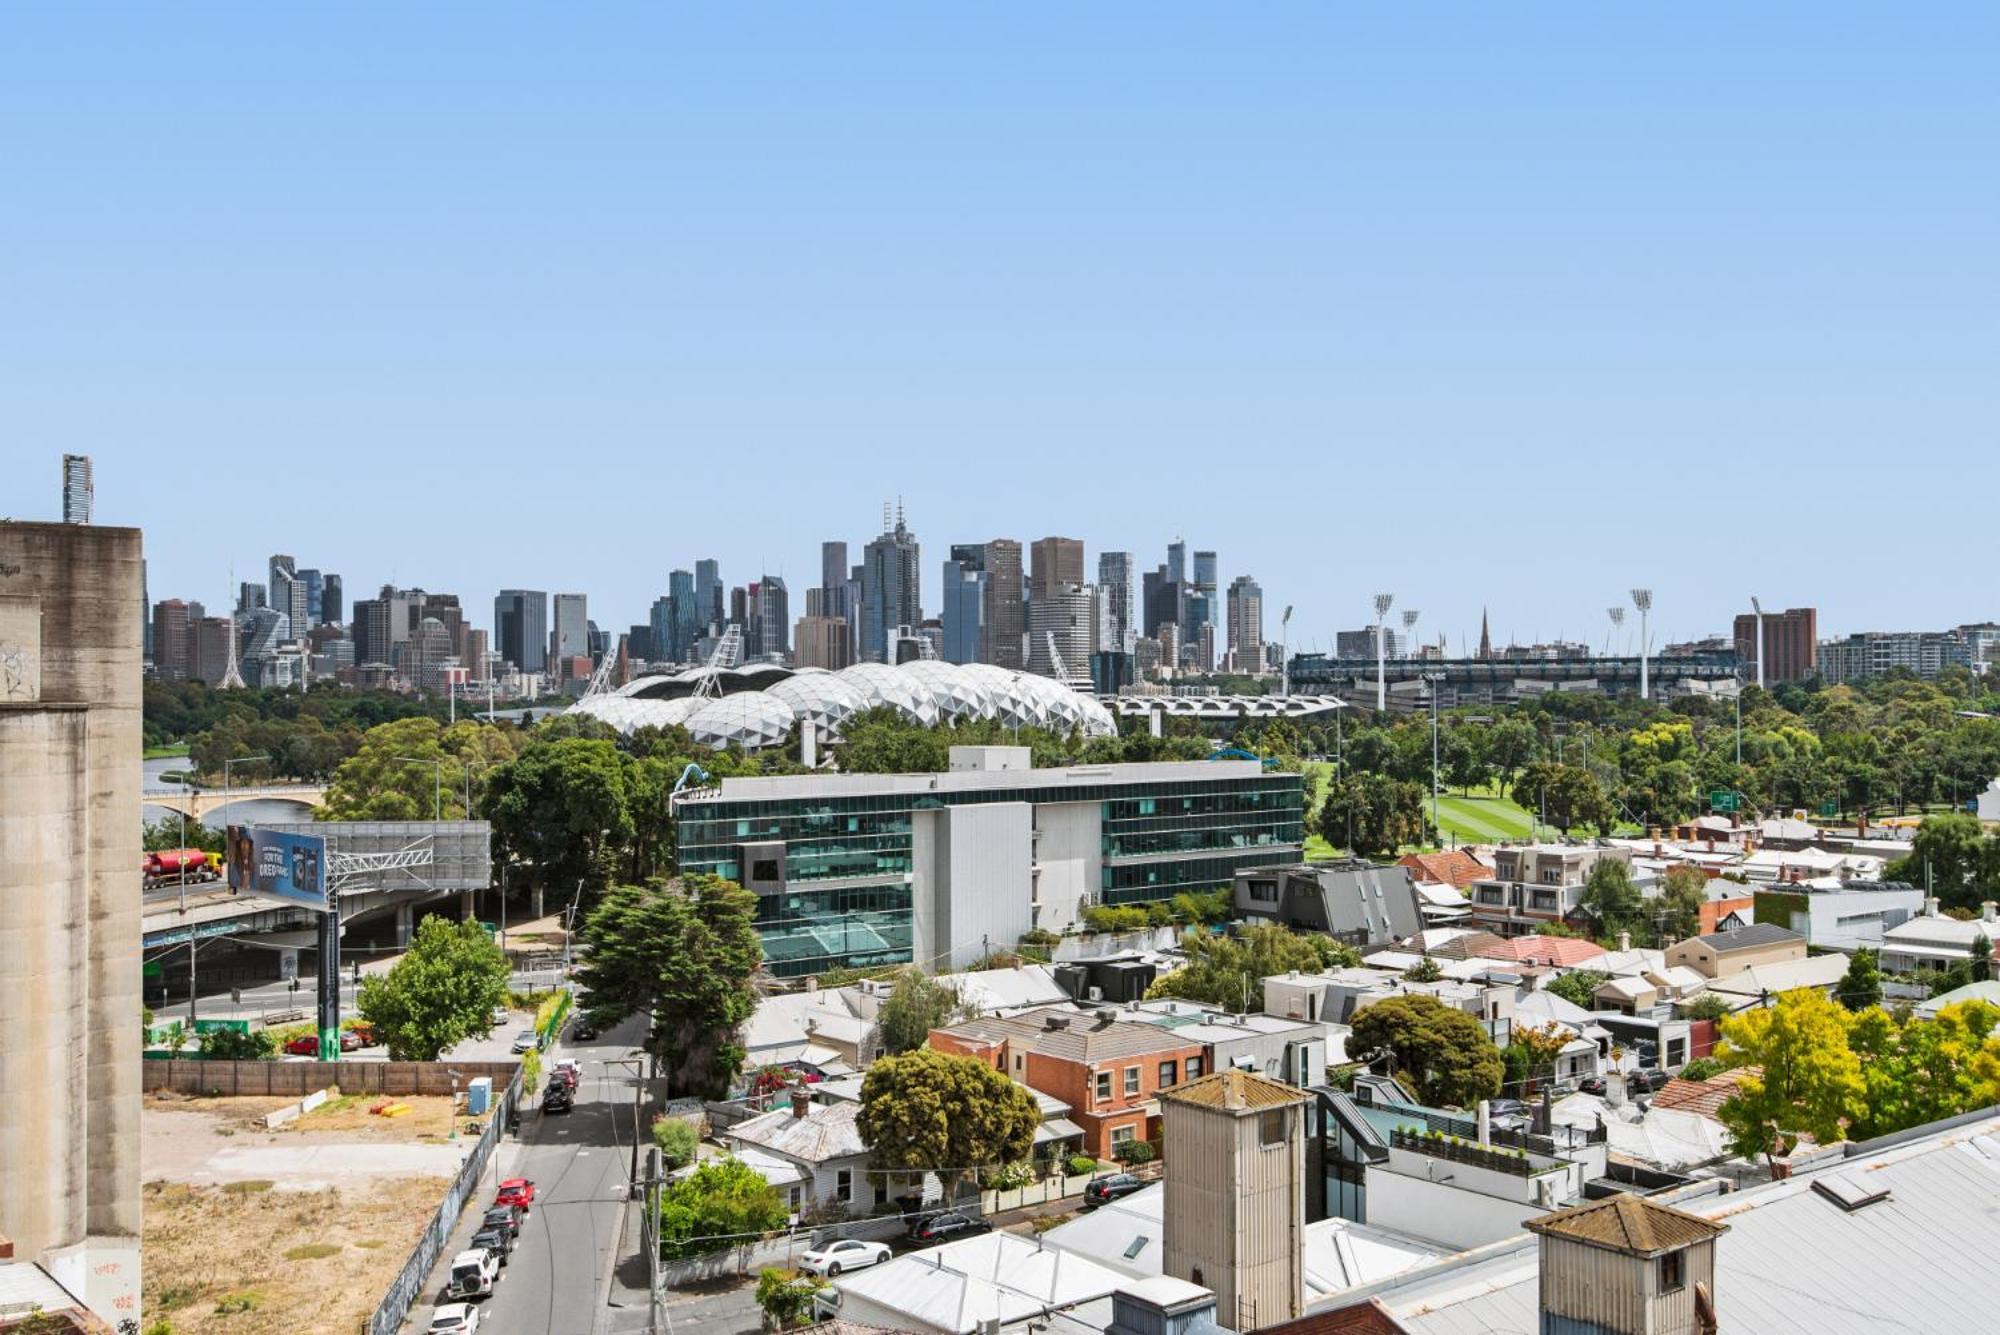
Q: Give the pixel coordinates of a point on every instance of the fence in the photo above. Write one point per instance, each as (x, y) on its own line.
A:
(409, 1283)
(1035, 1193)
(274, 1079)
(554, 1026)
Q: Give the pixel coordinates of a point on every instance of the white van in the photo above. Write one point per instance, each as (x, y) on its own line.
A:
(472, 1274)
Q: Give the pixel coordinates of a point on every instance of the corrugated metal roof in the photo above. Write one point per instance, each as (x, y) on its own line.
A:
(1748, 938)
(1627, 1223)
(1083, 1039)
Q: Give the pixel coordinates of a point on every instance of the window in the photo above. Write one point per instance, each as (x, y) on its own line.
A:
(1264, 892)
(1103, 1086)
(843, 1185)
(1673, 1271)
(1271, 1128)
(764, 869)
(1121, 1134)
(1194, 1068)
(1167, 1071)
(1131, 1080)
(792, 1199)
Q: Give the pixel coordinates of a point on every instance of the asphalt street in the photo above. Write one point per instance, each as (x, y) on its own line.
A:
(556, 1279)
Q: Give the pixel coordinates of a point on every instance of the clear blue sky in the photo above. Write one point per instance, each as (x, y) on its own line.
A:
(1491, 305)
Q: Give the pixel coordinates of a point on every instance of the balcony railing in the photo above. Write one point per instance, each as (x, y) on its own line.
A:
(1469, 1152)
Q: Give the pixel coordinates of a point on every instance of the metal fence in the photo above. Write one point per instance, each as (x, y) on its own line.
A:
(409, 1283)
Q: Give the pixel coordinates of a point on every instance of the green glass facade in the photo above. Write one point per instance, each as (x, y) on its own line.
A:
(848, 859)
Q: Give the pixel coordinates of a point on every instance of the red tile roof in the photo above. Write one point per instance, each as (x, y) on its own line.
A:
(1703, 1097)
(1563, 951)
(1454, 867)
(1363, 1318)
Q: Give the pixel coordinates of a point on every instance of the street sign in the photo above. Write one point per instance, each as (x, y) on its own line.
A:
(1722, 800)
(1829, 808)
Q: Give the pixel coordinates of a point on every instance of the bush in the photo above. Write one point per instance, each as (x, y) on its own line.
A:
(1131, 1153)
(1702, 1068)
(1010, 1177)
(1708, 1006)
(1079, 1164)
(787, 1296)
(677, 1140)
(1040, 936)
(1114, 918)
(225, 1045)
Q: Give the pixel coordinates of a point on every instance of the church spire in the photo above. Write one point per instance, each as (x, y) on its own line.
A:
(1485, 637)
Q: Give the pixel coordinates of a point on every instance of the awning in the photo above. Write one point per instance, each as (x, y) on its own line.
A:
(1057, 1128)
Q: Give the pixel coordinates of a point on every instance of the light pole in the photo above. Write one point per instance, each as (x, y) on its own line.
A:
(1435, 679)
(1757, 610)
(437, 781)
(638, 1092)
(1285, 653)
(1643, 600)
(1382, 602)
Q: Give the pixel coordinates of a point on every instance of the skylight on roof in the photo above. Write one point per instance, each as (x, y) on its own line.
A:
(1846, 1191)
(1138, 1245)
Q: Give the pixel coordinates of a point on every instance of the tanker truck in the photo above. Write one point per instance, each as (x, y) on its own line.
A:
(167, 867)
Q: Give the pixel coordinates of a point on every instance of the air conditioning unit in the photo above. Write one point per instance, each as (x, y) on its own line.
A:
(1548, 1194)
(1095, 994)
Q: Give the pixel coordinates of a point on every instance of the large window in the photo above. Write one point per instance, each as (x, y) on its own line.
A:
(1104, 1086)
(1131, 1081)
(1271, 1127)
(1167, 1072)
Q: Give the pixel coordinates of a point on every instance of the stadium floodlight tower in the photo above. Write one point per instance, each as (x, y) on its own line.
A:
(1410, 616)
(1757, 609)
(1285, 654)
(1617, 630)
(1643, 600)
(1382, 603)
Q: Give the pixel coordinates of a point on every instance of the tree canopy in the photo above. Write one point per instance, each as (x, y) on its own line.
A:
(916, 1004)
(681, 954)
(1807, 1080)
(930, 1111)
(1444, 1052)
(1373, 814)
(441, 992)
(1229, 971)
(723, 1205)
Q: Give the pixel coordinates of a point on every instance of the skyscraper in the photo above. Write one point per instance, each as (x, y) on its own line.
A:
(569, 635)
(833, 571)
(660, 631)
(331, 607)
(686, 625)
(1202, 613)
(1117, 602)
(79, 495)
(1791, 644)
(891, 589)
(963, 598)
(707, 598)
(1055, 563)
(1068, 617)
(315, 585)
(1006, 607)
(520, 628)
(771, 621)
(171, 649)
(1246, 625)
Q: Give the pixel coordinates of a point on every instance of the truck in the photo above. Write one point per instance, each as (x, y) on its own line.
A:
(169, 866)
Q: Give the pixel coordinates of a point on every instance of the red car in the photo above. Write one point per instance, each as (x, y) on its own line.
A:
(516, 1191)
(305, 1045)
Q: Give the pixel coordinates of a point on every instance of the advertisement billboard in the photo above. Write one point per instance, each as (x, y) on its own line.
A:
(286, 866)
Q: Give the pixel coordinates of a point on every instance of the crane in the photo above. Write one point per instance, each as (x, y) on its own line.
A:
(1061, 669)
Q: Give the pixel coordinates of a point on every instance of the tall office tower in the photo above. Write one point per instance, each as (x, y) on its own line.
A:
(315, 584)
(853, 614)
(1117, 602)
(833, 575)
(171, 652)
(1068, 616)
(209, 641)
(250, 595)
(660, 631)
(1203, 611)
(1176, 566)
(70, 936)
(472, 653)
(963, 598)
(259, 633)
(685, 627)
(425, 656)
(79, 496)
(739, 614)
(332, 609)
(1791, 644)
(891, 588)
(520, 628)
(707, 597)
(443, 606)
(774, 617)
(639, 640)
(1246, 625)
(822, 643)
(1006, 604)
(569, 630)
(285, 567)
(1054, 563)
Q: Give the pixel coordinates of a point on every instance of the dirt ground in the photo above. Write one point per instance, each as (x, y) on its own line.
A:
(429, 1118)
(247, 1259)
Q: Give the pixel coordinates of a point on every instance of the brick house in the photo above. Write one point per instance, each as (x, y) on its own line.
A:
(1108, 1071)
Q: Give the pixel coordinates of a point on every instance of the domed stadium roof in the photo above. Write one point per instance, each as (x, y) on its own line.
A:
(765, 701)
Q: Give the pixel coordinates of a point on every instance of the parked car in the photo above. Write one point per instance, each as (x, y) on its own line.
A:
(495, 1238)
(1506, 1108)
(516, 1191)
(557, 1098)
(949, 1225)
(582, 1030)
(1592, 1084)
(569, 1072)
(846, 1254)
(473, 1274)
(501, 1015)
(503, 1216)
(305, 1045)
(453, 1319)
(1647, 1081)
(526, 1041)
(1104, 1190)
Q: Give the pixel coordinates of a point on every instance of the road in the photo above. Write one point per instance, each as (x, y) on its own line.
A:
(555, 1281)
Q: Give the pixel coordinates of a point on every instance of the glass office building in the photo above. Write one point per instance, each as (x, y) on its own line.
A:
(863, 870)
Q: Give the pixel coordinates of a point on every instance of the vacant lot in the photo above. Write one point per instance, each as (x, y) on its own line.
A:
(248, 1258)
(301, 1228)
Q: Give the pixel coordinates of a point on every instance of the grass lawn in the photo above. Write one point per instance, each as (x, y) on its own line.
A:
(162, 752)
(1483, 819)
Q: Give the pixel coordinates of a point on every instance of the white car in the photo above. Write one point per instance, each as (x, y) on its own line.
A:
(526, 1041)
(453, 1319)
(846, 1254)
(501, 1015)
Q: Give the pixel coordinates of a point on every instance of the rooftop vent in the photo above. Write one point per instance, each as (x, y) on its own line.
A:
(1846, 1191)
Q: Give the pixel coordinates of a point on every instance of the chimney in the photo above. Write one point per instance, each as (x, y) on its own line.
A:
(1989, 911)
(801, 1102)
(1931, 907)
(1624, 941)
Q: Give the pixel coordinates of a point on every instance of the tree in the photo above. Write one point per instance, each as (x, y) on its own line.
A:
(440, 993)
(915, 1005)
(929, 1111)
(681, 954)
(1444, 1051)
(560, 811)
(1372, 814)
(1229, 971)
(1982, 958)
(723, 1205)
(224, 1045)
(1578, 987)
(1612, 901)
(392, 776)
(1531, 1055)
(1425, 970)
(1807, 1080)
(1950, 854)
(787, 1296)
(1564, 795)
(1707, 1006)
(1861, 986)
(1682, 894)
(1510, 744)
(677, 1139)
(1920, 1071)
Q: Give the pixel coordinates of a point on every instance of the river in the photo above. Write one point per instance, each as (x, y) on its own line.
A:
(236, 813)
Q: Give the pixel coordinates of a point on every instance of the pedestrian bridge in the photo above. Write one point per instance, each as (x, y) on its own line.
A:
(197, 803)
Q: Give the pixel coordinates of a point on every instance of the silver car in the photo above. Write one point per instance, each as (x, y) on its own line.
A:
(525, 1041)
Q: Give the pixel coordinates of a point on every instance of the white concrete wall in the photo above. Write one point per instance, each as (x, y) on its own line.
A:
(1069, 850)
(988, 876)
(1441, 1211)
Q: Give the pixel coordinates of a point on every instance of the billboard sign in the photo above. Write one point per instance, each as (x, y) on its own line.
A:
(283, 865)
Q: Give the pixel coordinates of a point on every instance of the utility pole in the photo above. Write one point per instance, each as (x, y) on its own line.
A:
(638, 1092)
(1435, 679)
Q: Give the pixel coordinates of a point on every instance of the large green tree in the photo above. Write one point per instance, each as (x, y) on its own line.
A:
(916, 1004)
(1612, 902)
(1683, 891)
(681, 954)
(441, 992)
(1444, 1052)
(1861, 986)
(722, 1206)
(929, 1111)
(1229, 971)
(1373, 814)
(1564, 795)
(561, 813)
(1952, 854)
(400, 772)
(1807, 1080)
